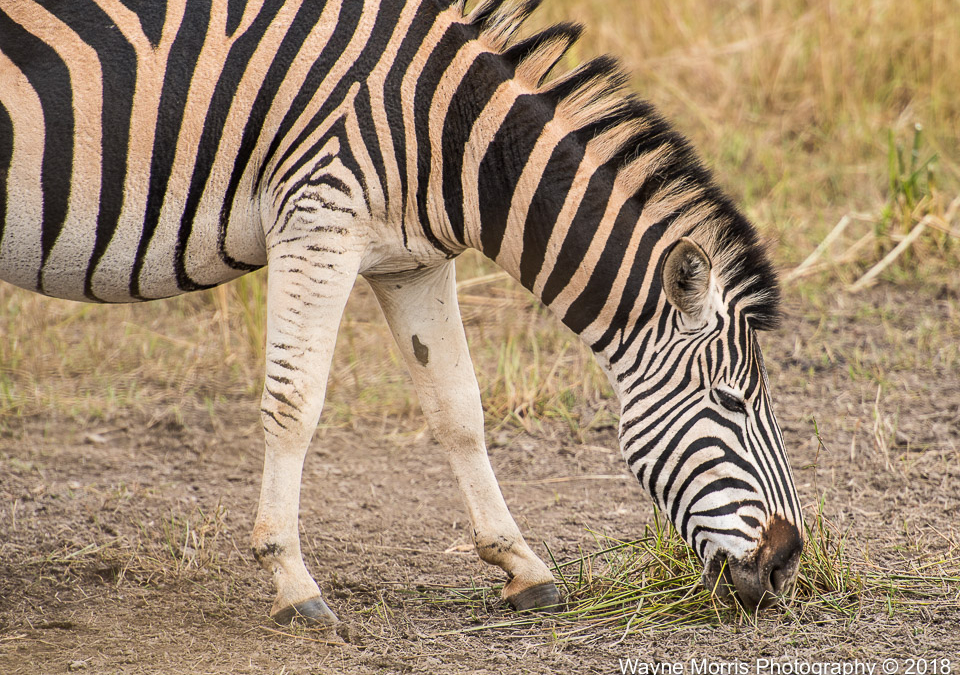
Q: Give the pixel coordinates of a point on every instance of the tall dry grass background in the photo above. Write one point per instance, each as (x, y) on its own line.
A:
(800, 107)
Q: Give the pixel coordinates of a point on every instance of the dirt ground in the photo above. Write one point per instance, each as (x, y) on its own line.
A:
(123, 548)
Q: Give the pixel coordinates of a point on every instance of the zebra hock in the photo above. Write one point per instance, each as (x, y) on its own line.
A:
(150, 152)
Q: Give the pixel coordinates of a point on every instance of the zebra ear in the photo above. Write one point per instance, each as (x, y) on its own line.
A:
(686, 277)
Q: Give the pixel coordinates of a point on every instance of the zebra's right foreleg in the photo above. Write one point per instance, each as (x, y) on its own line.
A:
(421, 308)
(305, 300)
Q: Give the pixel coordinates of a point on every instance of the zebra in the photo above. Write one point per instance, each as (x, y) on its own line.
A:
(153, 149)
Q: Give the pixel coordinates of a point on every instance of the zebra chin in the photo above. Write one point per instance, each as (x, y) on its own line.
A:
(766, 574)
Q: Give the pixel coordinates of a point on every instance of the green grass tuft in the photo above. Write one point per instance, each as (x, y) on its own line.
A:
(653, 583)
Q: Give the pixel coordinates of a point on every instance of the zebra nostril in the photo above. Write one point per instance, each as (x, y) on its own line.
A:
(772, 571)
(779, 581)
(780, 556)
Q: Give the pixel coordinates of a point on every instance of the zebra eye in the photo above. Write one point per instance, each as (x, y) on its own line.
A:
(731, 402)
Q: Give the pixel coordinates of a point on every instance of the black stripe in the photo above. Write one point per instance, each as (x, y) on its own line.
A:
(442, 54)
(776, 470)
(223, 95)
(6, 157)
(415, 35)
(371, 142)
(152, 17)
(585, 309)
(346, 25)
(676, 412)
(649, 239)
(686, 345)
(345, 156)
(725, 483)
(708, 358)
(691, 473)
(546, 204)
(384, 24)
(118, 63)
(667, 360)
(173, 97)
(321, 162)
(766, 454)
(641, 350)
(733, 353)
(471, 97)
(732, 507)
(290, 46)
(234, 14)
(673, 357)
(632, 288)
(717, 512)
(502, 165)
(48, 75)
(371, 51)
(338, 129)
(715, 530)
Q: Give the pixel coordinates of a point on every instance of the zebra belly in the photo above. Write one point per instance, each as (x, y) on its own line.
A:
(65, 273)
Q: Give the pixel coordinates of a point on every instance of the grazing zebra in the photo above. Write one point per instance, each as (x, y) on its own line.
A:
(150, 149)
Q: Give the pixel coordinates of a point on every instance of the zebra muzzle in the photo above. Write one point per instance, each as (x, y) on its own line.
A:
(767, 574)
(772, 570)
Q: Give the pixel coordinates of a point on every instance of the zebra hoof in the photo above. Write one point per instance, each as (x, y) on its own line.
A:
(312, 612)
(544, 597)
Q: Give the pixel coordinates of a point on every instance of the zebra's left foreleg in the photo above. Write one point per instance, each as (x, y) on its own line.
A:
(421, 308)
(306, 294)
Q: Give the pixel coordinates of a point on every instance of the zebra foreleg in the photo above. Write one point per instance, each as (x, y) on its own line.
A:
(421, 308)
(306, 294)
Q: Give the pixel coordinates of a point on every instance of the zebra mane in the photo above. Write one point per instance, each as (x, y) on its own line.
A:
(652, 160)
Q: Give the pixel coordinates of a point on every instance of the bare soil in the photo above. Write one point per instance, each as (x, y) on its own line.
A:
(123, 546)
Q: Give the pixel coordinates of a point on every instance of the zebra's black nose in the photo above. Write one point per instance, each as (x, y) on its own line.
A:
(772, 570)
(779, 555)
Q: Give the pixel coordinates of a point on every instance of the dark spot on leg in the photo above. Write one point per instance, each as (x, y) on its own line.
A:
(498, 546)
(271, 550)
(421, 351)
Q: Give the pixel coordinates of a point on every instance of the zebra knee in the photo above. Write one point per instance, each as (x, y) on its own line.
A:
(264, 553)
(267, 545)
(495, 549)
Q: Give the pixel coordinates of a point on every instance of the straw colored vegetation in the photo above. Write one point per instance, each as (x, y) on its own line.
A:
(653, 584)
(834, 123)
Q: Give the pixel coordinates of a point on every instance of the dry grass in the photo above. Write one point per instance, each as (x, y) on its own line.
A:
(59, 361)
(653, 584)
(792, 102)
(917, 227)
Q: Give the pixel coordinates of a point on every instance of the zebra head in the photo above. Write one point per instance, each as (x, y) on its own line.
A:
(698, 430)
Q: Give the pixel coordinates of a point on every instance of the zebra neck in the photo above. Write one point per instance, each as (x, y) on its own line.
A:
(549, 213)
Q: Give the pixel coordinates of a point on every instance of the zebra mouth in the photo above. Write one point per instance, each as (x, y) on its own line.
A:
(717, 577)
(732, 580)
(755, 582)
